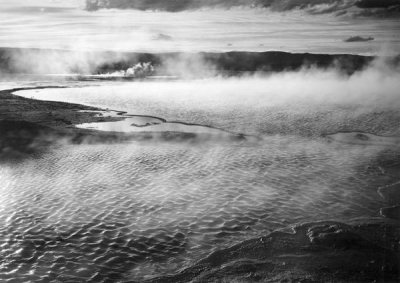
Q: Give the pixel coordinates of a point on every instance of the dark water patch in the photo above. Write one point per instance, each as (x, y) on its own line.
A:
(20, 139)
(101, 249)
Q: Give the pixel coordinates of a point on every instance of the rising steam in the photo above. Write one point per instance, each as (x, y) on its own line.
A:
(140, 70)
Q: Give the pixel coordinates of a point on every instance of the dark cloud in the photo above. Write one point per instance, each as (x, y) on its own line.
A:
(180, 5)
(312, 5)
(358, 39)
(164, 5)
(368, 4)
(366, 8)
(389, 12)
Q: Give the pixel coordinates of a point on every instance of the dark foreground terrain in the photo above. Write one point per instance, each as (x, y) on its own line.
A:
(362, 251)
(314, 252)
(29, 126)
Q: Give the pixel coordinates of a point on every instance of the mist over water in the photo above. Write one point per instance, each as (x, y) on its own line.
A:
(151, 208)
(148, 209)
(310, 148)
(274, 104)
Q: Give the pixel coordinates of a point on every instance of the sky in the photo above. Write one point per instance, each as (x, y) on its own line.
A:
(65, 24)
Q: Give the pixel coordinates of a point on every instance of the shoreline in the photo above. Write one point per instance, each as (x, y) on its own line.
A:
(331, 251)
(28, 125)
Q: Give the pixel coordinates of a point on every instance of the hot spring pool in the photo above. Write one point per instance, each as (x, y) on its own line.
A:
(136, 210)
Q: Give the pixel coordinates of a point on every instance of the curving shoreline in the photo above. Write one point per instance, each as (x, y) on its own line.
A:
(28, 125)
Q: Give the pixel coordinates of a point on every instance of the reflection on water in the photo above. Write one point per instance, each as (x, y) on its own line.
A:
(142, 124)
(134, 210)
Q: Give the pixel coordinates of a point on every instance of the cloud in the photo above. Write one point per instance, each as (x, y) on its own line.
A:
(175, 6)
(340, 7)
(164, 5)
(377, 3)
(358, 39)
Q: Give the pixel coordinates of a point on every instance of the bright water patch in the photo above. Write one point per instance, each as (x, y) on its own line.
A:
(304, 103)
(142, 124)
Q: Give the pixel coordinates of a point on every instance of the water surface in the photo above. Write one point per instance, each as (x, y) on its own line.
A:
(136, 210)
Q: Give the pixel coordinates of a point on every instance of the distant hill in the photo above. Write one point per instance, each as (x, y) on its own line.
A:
(47, 61)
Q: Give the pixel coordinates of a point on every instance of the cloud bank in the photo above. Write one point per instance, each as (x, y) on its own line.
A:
(340, 7)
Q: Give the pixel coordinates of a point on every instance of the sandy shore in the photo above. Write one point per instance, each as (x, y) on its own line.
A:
(363, 251)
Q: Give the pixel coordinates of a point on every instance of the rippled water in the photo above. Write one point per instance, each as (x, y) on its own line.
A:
(141, 209)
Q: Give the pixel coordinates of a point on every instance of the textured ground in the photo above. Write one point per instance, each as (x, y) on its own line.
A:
(316, 252)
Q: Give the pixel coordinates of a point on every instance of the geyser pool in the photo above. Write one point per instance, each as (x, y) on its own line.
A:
(135, 210)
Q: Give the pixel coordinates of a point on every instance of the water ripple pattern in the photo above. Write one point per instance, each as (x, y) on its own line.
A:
(93, 213)
(130, 211)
